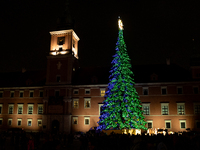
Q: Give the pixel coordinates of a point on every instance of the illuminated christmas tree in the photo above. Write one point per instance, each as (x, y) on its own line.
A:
(122, 109)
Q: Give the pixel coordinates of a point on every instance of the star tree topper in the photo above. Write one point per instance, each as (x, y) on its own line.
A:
(120, 24)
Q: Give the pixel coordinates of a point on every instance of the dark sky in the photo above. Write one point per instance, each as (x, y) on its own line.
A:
(153, 31)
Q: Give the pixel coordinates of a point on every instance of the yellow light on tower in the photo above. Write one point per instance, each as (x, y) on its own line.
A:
(120, 24)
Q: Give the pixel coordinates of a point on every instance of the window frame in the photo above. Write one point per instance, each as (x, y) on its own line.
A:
(1, 121)
(102, 89)
(1, 94)
(19, 105)
(180, 87)
(168, 121)
(181, 104)
(39, 105)
(31, 91)
(30, 105)
(149, 121)
(12, 92)
(143, 105)
(76, 90)
(163, 87)
(1, 110)
(145, 88)
(18, 121)
(165, 104)
(28, 121)
(10, 119)
(85, 120)
(73, 118)
(100, 108)
(76, 100)
(196, 104)
(180, 121)
(85, 100)
(88, 90)
(38, 122)
(20, 94)
(10, 105)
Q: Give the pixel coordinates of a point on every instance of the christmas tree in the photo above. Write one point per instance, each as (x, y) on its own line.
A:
(122, 108)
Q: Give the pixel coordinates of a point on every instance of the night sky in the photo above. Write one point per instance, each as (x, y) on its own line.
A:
(153, 31)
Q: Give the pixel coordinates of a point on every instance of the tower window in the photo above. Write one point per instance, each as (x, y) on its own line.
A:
(61, 40)
(58, 78)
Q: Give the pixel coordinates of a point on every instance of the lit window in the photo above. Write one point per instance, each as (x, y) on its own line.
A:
(100, 108)
(182, 124)
(41, 93)
(1, 94)
(31, 94)
(181, 108)
(40, 109)
(167, 124)
(39, 122)
(30, 108)
(12, 94)
(145, 91)
(87, 91)
(146, 109)
(76, 91)
(29, 122)
(87, 102)
(20, 109)
(9, 122)
(1, 108)
(10, 108)
(149, 124)
(164, 90)
(195, 90)
(87, 120)
(180, 90)
(165, 108)
(19, 122)
(102, 92)
(75, 103)
(1, 121)
(21, 94)
(197, 108)
(75, 120)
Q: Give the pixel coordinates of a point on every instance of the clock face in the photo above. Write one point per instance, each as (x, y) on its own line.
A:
(61, 40)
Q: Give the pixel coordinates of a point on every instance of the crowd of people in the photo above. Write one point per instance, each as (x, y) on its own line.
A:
(98, 141)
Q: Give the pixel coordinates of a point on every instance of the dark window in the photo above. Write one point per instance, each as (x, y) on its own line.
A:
(75, 91)
(180, 91)
(9, 122)
(20, 110)
(1, 94)
(182, 125)
(58, 78)
(145, 91)
(1, 121)
(30, 109)
(31, 94)
(198, 124)
(87, 121)
(29, 123)
(19, 122)
(41, 93)
(168, 125)
(12, 94)
(197, 109)
(75, 121)
(57, 93)
(10, 109)
(21, 94)
(164, 91)
(87, 91)
(149, 125)
(40, 109)
(0, 109)
(196, 90)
